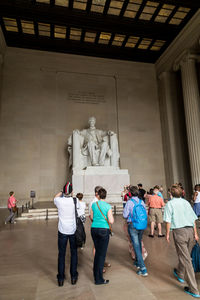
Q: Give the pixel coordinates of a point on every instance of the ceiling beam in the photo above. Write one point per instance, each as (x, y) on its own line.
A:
(40, 12)
(185, 3)
(74, 47)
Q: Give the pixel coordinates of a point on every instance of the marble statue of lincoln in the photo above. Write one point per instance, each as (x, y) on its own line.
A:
(94, 144)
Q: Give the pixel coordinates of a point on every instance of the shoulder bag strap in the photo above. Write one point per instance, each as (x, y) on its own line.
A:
(76, 214)
(104, 216)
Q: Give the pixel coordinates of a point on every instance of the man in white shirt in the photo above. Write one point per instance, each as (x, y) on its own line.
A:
(66, 230)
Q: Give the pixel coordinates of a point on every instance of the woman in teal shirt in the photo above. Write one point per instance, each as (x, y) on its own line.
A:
(101, 215)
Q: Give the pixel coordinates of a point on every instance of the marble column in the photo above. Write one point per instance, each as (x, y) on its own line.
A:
(166, 99)
(187, 64)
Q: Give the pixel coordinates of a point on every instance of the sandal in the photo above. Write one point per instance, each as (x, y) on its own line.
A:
(161, 235)
(107, 264)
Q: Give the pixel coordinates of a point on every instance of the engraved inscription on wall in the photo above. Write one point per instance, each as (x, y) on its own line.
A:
(86, 97)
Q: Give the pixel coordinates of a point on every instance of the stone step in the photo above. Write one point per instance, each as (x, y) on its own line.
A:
(27, 216)
(41, 213)
(30, 217)
(42, 209)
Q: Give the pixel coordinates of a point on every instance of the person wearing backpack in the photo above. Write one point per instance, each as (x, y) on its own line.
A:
(136, 216)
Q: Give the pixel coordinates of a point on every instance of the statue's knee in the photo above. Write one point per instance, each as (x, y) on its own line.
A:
(104, 145)
(91, 144)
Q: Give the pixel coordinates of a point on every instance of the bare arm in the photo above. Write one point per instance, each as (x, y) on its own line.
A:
(168, 225)
(91, 214)
(195, 196)
(110, 216)
(195, 232)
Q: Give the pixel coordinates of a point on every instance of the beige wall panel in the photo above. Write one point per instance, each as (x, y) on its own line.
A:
(140, 140)
(39, 112)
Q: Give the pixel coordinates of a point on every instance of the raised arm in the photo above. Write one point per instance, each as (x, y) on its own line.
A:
(58, 195)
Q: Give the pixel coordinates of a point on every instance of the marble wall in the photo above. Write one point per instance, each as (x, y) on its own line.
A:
(47, 95)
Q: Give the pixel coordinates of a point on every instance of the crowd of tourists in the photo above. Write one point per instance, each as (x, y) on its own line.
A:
(139, 208)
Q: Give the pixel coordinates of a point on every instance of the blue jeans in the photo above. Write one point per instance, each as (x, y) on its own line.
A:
(136, 238)
(100, 238)
(62, 245)
(11, 217)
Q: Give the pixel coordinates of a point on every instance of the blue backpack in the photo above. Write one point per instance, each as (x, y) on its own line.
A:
(139, 218)
(195, 254)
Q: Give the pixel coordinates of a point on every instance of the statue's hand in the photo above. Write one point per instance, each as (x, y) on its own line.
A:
(76, 131)
(110, 132)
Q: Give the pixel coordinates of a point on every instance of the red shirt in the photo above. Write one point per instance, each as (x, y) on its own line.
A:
(127, 197)
(11, 202)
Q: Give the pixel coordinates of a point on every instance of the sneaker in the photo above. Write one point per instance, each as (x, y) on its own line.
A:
(142, 272)
(136, 264)
(187, 290)
(178, 278)
(145, 255)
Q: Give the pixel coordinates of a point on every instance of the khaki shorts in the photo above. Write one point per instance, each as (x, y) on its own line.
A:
(155, 215)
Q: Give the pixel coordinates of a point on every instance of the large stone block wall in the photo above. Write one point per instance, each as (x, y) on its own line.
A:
(47, 95)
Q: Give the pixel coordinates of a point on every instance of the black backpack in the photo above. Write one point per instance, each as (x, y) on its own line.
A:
(80, 230)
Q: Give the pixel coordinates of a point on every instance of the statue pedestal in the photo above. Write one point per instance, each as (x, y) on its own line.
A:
(111, 178)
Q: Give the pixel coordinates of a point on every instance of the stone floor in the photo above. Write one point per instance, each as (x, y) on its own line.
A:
(28, 263)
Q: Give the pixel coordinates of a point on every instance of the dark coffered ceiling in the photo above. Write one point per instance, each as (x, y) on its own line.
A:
(137, 30)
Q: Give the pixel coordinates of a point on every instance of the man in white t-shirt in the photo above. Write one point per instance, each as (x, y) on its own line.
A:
(66, 230)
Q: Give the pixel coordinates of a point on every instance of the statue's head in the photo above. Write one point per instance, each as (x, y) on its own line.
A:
(92, 121)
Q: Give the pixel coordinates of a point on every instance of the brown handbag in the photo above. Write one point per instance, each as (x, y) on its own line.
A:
(14, 208)
(110, 228)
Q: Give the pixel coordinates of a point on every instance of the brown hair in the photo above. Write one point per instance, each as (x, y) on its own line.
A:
(134, 190)
(176, 191)
(97, 188)
(197, 188)
(102, 193)
(79, 196)
(157, 187)
(11, 193)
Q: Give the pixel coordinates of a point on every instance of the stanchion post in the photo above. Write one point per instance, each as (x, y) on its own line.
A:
(32, 196)
(47, 214)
